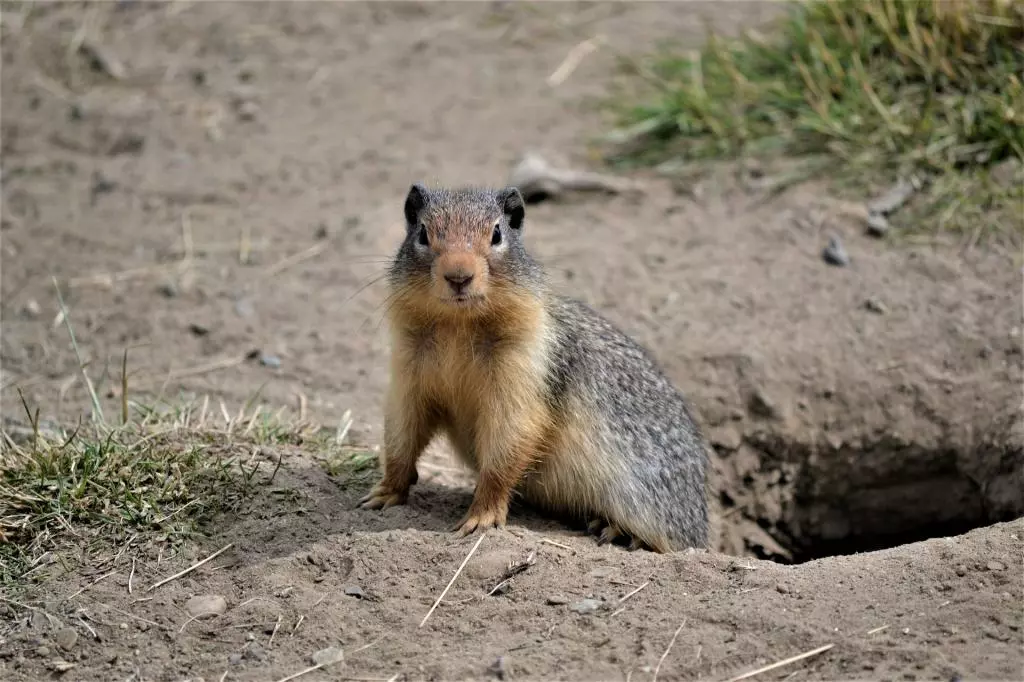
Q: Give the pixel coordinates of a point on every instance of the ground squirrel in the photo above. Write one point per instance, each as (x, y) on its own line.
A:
(539, 395)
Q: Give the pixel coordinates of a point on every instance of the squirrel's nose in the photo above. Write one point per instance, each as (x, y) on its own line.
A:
(458, 280)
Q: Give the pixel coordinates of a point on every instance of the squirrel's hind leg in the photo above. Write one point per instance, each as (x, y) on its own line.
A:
(611, 533)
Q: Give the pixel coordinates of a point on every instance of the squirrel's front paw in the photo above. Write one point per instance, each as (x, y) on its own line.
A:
(383, 496)
(480, 520)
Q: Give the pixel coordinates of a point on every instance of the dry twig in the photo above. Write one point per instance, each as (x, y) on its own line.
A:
(783, 662)
(191, 568)
(668, 649)
(450, 582)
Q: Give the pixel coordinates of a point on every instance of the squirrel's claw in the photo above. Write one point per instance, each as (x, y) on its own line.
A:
(474, 521)
(381, 497)
(609, 534)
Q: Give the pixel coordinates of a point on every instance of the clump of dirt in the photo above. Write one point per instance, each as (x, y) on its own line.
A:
(223, 202)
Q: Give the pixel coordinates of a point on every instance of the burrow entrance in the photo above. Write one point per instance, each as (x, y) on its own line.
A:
(782, 502)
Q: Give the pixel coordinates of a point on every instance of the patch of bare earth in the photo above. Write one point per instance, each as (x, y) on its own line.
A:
(237, 181)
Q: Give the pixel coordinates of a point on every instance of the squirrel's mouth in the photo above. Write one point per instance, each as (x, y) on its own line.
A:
(463, 300)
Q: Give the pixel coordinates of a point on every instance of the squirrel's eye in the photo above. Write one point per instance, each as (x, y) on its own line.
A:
(423, 239)
(496, 237)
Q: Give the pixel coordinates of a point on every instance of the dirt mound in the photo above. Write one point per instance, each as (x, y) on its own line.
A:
(219, 191)
(310, 574)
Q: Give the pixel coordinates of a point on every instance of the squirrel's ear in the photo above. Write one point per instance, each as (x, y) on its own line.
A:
(512, 205)
(415, 201)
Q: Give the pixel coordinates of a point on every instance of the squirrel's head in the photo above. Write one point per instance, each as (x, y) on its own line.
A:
(463, 252)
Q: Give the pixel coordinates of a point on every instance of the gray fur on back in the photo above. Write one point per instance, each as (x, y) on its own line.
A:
(645, 421)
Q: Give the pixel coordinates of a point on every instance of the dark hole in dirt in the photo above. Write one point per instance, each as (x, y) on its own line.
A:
(790, 504)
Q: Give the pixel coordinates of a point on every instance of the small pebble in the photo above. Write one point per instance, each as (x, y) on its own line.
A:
(557, 600)
(877, 224)
(66, 638)
(244, 308)
(726, 437)
(835, 253)
(169, 289)
(782, 589)
(321, 231)
(327, 656)
(248, 110)
(586, 606)
(31, 308)
(255, 652)
(995, 566)
(498, 668)
(101, 185)
(762, 404)
(199, 329)
(354, 591)
(206, 605)
(235, 659)
(271, 361)
(961, 571)
(876, 306)
(43, 652)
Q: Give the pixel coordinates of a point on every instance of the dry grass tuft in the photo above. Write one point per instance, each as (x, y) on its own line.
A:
(875, 88)
(156, 479)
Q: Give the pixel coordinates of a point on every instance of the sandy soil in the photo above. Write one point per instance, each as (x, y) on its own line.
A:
(850, 408)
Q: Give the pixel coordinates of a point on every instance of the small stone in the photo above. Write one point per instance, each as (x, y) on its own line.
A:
(255, 652)
(995, 566)
(60, 666)
(248, 110)
(43, 652)
(321, 231)
(271, 361)
(169, 289)
(249, 637)
(244, 308)
(557, 600)
(781, 589)
(762, 404)
(877, 224)
(498, 668)
(331, 654)
(123, 626)
(101, 185)
(586, 606)
(726, 437)
(354, 591)
(961, 571)
(895, 197)
(835, 253)
(66, 638)
(30, 309)
(235, 659)
(199, 329)
(876, 306)
(202, 606)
